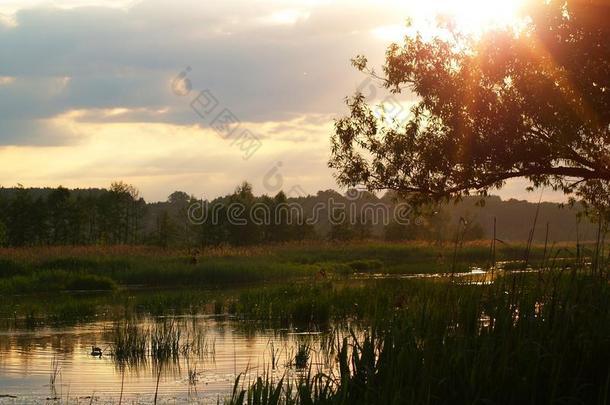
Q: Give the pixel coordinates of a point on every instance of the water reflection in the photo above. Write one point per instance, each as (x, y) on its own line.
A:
(210, 353)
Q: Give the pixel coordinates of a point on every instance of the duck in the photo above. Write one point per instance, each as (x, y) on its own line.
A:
(96, 351)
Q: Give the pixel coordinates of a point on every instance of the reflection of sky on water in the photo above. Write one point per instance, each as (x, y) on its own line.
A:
(26, 363)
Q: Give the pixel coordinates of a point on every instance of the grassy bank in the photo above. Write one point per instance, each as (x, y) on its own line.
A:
(34, 270)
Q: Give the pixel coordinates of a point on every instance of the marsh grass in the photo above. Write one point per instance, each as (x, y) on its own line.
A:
(165, 340)
(301, 358)
(105, 274)
(56, 280)
(36, 270)
(129, 342)
(162, 340)
(529, 338)
(541, 336)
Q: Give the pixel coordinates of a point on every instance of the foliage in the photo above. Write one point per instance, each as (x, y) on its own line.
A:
(529, 102)
(61, 217)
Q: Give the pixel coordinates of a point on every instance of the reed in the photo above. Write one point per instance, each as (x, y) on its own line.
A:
(55, 371)
(541, 340)
(129, 342)
(301, 359)
(32, 271)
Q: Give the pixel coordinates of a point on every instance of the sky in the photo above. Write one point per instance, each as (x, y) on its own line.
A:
(188, 95)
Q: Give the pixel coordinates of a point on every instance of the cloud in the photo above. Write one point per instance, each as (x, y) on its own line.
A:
(86, 95)
(294, 60)
(160, 158)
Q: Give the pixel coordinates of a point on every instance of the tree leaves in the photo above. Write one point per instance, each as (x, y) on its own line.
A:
(530, 103)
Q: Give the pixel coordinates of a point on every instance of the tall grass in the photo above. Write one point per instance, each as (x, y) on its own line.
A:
(164, 340)
(129, 342)
(528, 339)
(29, 270)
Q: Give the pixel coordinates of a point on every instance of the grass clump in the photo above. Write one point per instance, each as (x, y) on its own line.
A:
(129, 342)
(165, 340)
(302, 356)
(55, 280)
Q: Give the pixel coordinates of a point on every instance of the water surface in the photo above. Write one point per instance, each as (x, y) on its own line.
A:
(27, 359)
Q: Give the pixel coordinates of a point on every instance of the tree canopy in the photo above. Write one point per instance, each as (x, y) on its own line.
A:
(531, 102)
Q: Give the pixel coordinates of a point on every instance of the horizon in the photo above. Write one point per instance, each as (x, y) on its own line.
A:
(378, 194)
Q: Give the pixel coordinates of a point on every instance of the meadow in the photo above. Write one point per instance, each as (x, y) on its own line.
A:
(396, 323)
(54, 269)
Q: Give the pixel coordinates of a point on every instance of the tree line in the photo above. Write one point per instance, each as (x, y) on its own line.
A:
(119, 215)
(61, 216)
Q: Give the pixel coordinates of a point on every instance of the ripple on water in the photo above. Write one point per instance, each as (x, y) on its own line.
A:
(27, 357)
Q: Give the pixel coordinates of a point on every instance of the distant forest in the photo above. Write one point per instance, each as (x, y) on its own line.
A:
(118, 215)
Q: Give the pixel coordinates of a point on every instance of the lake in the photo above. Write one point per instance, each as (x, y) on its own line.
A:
(227, 347)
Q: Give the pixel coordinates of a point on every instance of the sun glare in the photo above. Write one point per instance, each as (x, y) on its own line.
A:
(469, 16)
(479, 15)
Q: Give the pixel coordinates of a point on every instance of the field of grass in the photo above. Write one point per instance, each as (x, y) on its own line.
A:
(37, 270)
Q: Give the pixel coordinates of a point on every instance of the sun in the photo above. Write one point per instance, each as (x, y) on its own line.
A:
(475, 16)
(468, 16)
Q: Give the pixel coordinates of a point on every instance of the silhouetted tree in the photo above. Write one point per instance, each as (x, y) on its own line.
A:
(179, 203)
(241, 229)
(3, 230)
(468, 229)
(165, 229)
(30, 217)
(59, 209)
(22, 215)
(532, 103)
(344, 227)
(281, 224)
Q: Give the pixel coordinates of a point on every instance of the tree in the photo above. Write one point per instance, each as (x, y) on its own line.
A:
(78, 221)
(59, 210)
(3, 237)
(25, 218)
(119, 210)
(242, 230)
(165, 229)
(340, 228)
(468, 229)
(179, 203)
(3, 230)
(531, 102)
